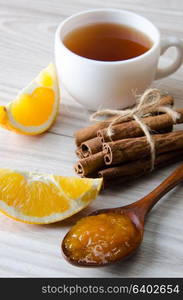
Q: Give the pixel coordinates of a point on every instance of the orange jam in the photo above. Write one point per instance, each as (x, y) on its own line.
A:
(101, 239)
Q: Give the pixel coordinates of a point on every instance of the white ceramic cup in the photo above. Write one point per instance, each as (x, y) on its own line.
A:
(105, 84)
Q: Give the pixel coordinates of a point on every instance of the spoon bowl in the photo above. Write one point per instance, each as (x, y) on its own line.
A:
(112, 234)
(132, 243)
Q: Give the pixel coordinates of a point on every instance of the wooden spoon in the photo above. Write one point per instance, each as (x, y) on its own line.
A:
(81, 252)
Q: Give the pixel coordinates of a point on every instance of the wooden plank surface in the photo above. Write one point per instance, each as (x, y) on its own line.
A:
(26, 45)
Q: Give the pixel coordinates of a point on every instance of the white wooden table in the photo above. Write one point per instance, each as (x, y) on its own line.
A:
(26, 46)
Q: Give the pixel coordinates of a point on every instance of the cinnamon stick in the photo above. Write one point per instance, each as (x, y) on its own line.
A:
(90, 132)
(91, 146)
(90, 165)
(79, 152)
(161, 123)
(135, 148)
(139, 167)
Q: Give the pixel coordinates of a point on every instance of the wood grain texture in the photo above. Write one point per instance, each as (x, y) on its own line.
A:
(26, 45)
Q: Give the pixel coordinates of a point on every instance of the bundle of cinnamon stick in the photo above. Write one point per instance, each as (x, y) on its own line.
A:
(127, 156)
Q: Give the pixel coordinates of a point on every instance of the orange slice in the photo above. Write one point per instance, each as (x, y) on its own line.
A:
(44, 198)
(35, 108)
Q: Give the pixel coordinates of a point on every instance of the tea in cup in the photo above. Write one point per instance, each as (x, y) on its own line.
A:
(104, 55)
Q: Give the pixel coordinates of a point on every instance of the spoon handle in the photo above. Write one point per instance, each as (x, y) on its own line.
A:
(144, 205)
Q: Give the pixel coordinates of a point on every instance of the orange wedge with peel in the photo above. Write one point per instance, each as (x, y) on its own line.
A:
(44, 198)
(35, 108)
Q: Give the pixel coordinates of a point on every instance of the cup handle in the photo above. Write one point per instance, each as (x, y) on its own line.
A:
(165, 44)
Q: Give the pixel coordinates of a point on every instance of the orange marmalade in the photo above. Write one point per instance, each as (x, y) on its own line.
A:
(101, 239)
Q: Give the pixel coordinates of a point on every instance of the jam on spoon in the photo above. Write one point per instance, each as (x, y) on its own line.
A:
(102, 238)
(109, 235)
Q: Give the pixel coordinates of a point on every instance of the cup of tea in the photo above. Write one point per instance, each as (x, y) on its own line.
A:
(104, 55)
